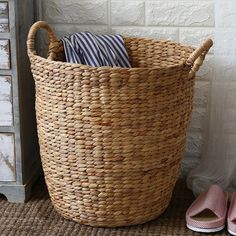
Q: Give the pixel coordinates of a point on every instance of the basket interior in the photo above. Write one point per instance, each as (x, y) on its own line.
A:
(147, 53)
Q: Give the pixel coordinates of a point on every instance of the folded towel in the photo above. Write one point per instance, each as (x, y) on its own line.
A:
(96, 50)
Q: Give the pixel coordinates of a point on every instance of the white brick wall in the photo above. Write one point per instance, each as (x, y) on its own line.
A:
(184, 21)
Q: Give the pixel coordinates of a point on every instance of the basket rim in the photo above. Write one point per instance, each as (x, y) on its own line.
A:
(181, 64)
(109, 68)
(192, 64)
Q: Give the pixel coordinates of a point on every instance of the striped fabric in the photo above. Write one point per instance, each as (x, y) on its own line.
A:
(96, 50)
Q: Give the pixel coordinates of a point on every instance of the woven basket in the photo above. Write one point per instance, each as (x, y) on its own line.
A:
(112, 139)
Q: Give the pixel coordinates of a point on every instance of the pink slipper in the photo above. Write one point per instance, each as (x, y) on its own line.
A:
(207, 214)
(232, 215)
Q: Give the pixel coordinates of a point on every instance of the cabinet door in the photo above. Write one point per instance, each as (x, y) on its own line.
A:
(4, 54)
(7, 157)
(4, 18)
(6, 114)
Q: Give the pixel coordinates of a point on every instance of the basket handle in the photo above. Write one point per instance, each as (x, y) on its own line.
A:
(53, 41)
(196, 59)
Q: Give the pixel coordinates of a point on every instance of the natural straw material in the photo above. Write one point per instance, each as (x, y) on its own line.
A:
(111, 139)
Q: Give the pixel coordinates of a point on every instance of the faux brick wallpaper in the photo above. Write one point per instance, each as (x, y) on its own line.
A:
(184, 21)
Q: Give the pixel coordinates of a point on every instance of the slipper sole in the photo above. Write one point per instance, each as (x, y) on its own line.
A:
(202, 230)
(231, 232)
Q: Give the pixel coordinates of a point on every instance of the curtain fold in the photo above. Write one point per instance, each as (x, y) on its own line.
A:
(218, 162)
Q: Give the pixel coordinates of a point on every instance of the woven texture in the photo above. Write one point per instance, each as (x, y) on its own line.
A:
(38, 217)
(111, 139)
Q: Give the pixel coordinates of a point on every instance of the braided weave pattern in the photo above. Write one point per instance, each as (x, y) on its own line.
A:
(112, 139)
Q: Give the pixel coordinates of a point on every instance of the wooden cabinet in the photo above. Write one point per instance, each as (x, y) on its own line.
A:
(4, 16)
(19, 158)
(7, 157)
(4, 54)
(6, 111)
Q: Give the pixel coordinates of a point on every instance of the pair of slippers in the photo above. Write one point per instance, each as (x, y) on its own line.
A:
(208, 212)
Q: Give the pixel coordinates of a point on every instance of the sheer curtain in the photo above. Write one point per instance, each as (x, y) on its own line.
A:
(218, 162)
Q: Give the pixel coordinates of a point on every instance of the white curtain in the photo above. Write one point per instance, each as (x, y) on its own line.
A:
(218, 162)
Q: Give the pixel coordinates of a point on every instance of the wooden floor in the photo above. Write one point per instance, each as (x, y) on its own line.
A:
(37, 217)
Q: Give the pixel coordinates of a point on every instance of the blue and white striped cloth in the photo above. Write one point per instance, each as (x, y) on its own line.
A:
(96, 50)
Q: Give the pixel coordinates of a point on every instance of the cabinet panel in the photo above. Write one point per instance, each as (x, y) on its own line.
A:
(4, 54)
(4, 18)
(6, 110)
(19, 157)
(7, 157)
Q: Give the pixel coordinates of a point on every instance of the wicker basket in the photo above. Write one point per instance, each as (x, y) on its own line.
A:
(112, 139)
